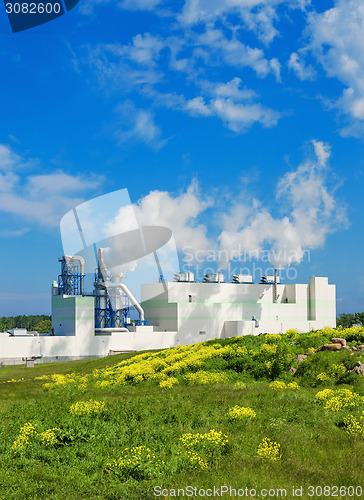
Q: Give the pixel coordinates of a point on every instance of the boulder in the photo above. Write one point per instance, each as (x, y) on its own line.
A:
(330, 347)
(358, 368)
(361, 347)
(301, 357)
(354, 349)
(338, 340)
(292, 370)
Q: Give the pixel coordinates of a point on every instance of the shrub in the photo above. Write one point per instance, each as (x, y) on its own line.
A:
(282, 361)
(241, 412)
(201, 449)
(168, 383)
(137, 462)
(269, 449)
(203, 377)
(90, 407)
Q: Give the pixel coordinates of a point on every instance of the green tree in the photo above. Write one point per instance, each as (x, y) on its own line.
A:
(359, 318)
(44, 326)
(345, 320)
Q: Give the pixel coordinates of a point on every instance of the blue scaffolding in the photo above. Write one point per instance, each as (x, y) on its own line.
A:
(107, 317)
(70, 281)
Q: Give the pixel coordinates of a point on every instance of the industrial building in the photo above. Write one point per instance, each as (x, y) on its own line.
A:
(170, 313)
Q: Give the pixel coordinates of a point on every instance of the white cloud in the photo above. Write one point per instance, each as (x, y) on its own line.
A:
(140, 4)
(239, 117)
(14, 233)
(322, 151)
(310, 213)
(179, 213)
(40, 199)
(8, 159)
(233, 105)
(338, 44)
(302, 71)
(87, 7)
(236, 53)
(115, 71)
(144, 49)
(138, 125)
(257, 15)
(198, 107)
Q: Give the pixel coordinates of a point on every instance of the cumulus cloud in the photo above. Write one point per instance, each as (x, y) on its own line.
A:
(257, 15)
(40, 199)
(337, 43)
(180, 213)
(234, 105)
(144, 49)
(310, 213)
(144, 66)
(235, 53)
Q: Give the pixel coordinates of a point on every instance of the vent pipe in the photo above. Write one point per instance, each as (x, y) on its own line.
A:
(275, 295)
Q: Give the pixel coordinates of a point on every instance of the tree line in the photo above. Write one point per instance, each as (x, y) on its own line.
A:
(42, 323)
(349, 319)
(38, 322)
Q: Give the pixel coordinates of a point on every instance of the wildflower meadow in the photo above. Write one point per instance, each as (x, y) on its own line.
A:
(242, 411)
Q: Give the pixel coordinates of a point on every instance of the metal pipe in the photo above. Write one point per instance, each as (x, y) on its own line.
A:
(102, 266)
(275, 297)
(107, 330)
(133, 300)
(81, 260)
(128, 293)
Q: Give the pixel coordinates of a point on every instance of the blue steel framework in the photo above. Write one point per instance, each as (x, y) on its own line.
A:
(108, 317)
(70, 281)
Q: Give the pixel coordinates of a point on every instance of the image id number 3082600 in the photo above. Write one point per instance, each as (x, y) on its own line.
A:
(32, 8)
(334, 491)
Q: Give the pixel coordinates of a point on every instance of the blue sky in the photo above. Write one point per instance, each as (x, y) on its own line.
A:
(236, 123)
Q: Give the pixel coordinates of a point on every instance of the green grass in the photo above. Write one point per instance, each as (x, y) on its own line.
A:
(315, 449)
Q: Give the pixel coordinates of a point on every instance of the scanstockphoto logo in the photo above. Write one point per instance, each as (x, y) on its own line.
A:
(131, 252)
(27, 14)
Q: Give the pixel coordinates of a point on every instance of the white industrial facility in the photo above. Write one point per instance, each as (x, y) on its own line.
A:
(170, 313)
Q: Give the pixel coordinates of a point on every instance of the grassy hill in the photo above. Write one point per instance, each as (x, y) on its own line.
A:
(224, 413)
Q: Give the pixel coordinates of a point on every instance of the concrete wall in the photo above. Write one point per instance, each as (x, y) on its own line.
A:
(183, 313)
(73, 313)
(201, 311)
(74, 346)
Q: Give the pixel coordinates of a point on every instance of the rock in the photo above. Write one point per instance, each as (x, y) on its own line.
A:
(361, 347)
(358, 368)
(292, 370)
(338, 340)
(331, 347)
(354, 349)
(301, 357)
(346, 347)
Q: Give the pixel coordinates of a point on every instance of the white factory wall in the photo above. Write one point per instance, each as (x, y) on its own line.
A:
(182, 313)
(203, 311)
(71, 313)
(80, 346)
